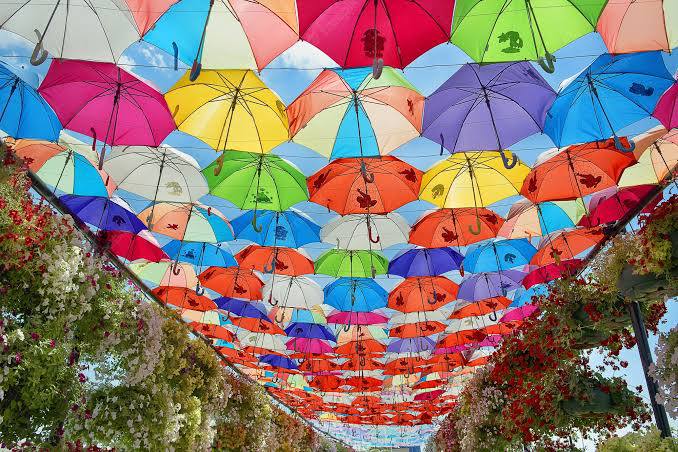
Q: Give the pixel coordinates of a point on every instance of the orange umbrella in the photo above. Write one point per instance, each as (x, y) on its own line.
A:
(455, 227)
(183, 297)
(361, 347)
(318, 365)
(481, 307)
(361, 363)
(212, 331)
(326, 382)
(364, 383)
(232, 282)
(274, 259)
(35, 152)
(257, 325)
(425, 293)
(404, 365)
(417, 329)
(461, 338)
(565, 245)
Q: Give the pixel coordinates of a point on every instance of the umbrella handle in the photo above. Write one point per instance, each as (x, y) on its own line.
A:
(433, 300)
(176, 55)
(195, 70)
(94, 138)
(220, 165)
(281, 319)
(494, 314)
(257, 228)
(508, 164)
(39, 54)
(377, 67)
(269, 269)
(367, 176)
(369, 233)
(199, 289)
(546, 62)
(620, 145)
(374, 272)
(176, 270)
(442, 143)
(362, 360)
(475, 231)
(271, 300)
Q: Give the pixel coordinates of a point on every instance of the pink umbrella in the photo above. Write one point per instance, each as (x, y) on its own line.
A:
(666, 110)
(518, 314)
(551, 271)
(613, 203)
(429, 395)
(132, 247)
(308, 345)
(628, 26)
(356, 318)
(147, 12)
(103, 101)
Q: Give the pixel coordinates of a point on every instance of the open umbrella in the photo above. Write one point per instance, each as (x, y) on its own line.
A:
(182, 297)
(74, 174)
(229, 109)
(188, 222)
(526, 219)
(488, 285)
(425, 262)
(274, 259)
(612, 93)
(365, 185)
(355, 295)
(422, 294)
(23, 113)
(498, 255)
(488, 107)
(165, 273)
(241, 308)
(199, 254)
(366, 231)
(566, 244)
(366, 116)
(292, 292)
(666, 110)
(374, 33)
(356, 318)
(657, 154)
(232, 282)
(290, 228)
(103, 213)
(513, 30)
(309, 331)
(103, 101)
(132, 247)
(612, 204)
(358, 264)
(552, 271)
(451, 227)
(465, 308)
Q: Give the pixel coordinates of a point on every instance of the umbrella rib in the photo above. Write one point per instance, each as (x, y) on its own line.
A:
(395, 35)
(103, 29)
(348, 47)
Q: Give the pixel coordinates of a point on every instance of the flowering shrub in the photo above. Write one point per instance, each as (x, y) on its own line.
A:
(665, 371)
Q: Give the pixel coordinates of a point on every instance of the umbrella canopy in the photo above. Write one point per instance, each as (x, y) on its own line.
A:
(614, 203)
(366, 231)
(383, 32)
(133, 247)
(526, 219)
(582, 169)
(182, 297)
(425, 262)
(666, 110)
(229, 109)
(465, 308)
(103, 213)
(472, 179)
(291, 228)
(657, 154)
(453, 227)
(241, 308)
(514, 30)
(35, 152)
(552, 271)
(354, 264)
(365, 185)
(356, 318)
(566, 244)
(355, 295)
(276, 260)
(487, 107)
(232, 282)
(309, 331)
(253, 181)
(187, 222)
(78, 30)
(422, 294)
(199, 254)
(23, 113)
(613, 92)
(74, 174)
(261, 342)
(488, 285)
(308, 346)
(499, 255)
(278, 361)
(292, 292)
(166, 273)
(367, 116)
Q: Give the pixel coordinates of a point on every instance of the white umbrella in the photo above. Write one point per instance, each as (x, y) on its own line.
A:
(298, 292)
(273, 342)
(366, 231)
(472, 323)
(94, 30)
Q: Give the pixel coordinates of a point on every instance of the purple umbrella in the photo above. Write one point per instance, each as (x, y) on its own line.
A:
(240, 308)
(103, 213)
(309, 331)
(486, 285)
(411, 345)
(279, 361)
(425, 262)
(487, 107)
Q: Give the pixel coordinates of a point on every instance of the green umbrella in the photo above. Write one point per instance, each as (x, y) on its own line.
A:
(492, 31)
(256, 181)
(357, 264)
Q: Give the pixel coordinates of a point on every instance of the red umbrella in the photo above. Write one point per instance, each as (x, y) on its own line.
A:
(132, 246)
(614, 203)
(361, 363)
(552, 271)
(455, 227)
(257, 325)
(326, 382)
(566, 244)
(364, 383)
(360, 347)
(426, 293)
(212, 331)
(481, 307)
(232, 282)
(183, 297)
(274, 259)
(417, 329)
(365, 185)
(579, 171)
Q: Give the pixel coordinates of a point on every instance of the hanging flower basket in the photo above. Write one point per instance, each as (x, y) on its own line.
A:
(590, 334)
(595, 403)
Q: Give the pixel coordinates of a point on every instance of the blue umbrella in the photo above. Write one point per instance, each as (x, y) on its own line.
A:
(487, 285)
(290, 229)
(240, 308)
(613, 92)
(200, 254)
(411, 345)
(278, 361)
(523, 297)
(499, 255)
(23, 112)
(103, 213)
(309, 331)
(425, 262)
(355, 295)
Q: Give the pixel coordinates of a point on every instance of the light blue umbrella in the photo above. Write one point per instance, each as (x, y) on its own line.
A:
(291, 228)
(200, 254)
(355, 295)
(499, 255)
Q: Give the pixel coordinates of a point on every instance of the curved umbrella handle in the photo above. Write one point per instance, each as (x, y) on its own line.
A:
(477, 229)
(268, 269)
(39, 54)
(546, 62)
(199, 289)
(442, 143)
(433, 300)
(272, 301)
(94, 138)
(176, 271)
(257, 228)
(195, 71)
(281, 319)
(508, 164)
(367, 176)
(176, 55)
(620, 145)
(369, 233)
(220, 165)
(377, 67)
(493, 316)
(374, 272)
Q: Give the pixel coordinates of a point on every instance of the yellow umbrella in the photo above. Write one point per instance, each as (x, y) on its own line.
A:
(229, 109)
(657, 154)
(472, 179)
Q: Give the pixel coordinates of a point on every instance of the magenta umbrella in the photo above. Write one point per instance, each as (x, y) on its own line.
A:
(666, 110)
(356, 318)
(308, 345)
(614, 203)
(103, 101)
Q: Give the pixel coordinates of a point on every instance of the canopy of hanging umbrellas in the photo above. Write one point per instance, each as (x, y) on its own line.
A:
(359, 249)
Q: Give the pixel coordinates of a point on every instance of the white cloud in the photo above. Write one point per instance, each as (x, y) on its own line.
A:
(303, 55)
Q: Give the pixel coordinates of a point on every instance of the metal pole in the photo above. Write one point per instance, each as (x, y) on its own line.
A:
(646, 360)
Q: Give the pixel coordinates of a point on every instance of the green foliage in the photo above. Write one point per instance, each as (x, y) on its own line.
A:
(648, 441)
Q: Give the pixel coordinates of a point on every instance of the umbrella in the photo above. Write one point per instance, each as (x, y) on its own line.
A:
(355, 295)
(366, 231)
(34, 152)
(274, 259)
(499, 255)
(526, 219)
(212, 331)
(165, 273)
(566, 244)
(425, 262)
(487, 285)
(188, 222)
(515, 30)
(229, 109)
(374, 33)
(666, 110)
(74, 174)
(365, 185)
(256, 32)
(358, 264)
(199, 254)
(261, 343)
(356, 318)
(278, 361)
(552, 271)
(613, 92)
(411, 345)
(308, 345)
(657, 154)
(159, 174)
(292, 292)
(582, 169)
(465, 308)
(232, 282)
(133, 247)
(257, 325)
(23, 113)
(290, 228)
(472, 179)
(422, 294)
(85, 31)
(241, 308)
(367, 117)
(422, 328)
(182, 297)
(612, 204)
(452, 227)
(488, 107)
(309, 331)
(627, 26)
(103, 101)
(284, 315)
(102, 213)
(253, 181)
